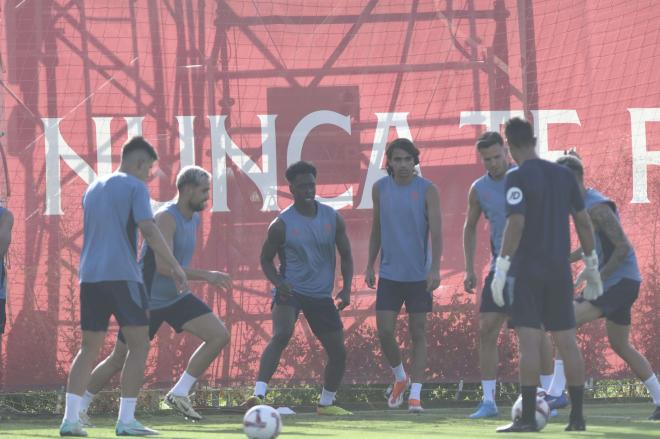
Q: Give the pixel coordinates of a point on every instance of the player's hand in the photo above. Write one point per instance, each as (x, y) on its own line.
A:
(470, 282)
(284, 289)
(180, 278)
(432, 281)
(502, 265)
(590, 274)
(219, 279)
(370, 278)
(343, 298)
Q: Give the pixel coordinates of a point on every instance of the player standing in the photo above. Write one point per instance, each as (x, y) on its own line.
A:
(406, 210)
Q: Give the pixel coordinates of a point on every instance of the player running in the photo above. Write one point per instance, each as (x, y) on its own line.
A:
(184, 312)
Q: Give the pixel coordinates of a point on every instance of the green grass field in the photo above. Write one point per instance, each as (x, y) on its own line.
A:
(613, 420)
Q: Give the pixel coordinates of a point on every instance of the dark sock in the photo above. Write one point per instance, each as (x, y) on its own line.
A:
(528, 404)
(577, 397)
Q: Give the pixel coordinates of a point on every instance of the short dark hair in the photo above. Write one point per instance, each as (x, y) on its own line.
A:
(489, 138)
(138, 143)
(519, 132)
(573, 163)
(299, 168)
(405, 145)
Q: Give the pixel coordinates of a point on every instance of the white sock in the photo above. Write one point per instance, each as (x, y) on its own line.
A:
(72, 407)
(327, 397)
(183, 386)
(127, 409)
(546, 381)
(399, 372)
(558, 380)
(653, 387)
(489, 387)
(86, 400)
(260, 388)
(416, 391)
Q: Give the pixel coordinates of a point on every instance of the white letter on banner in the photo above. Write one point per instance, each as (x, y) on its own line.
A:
(265, 178)
(641, 157)
(57, 147)
(186, 140)
(543, 118)
(297, 140)
(375, 171)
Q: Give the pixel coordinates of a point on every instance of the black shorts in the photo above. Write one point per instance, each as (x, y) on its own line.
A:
(126, 300)
(391, 295)
(616, 301)
(176, 315)
(3, 315)
(321, 313)
(543, 298)
(487, 304)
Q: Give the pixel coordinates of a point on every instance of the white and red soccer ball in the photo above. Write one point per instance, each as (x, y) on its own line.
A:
(542, 409)
(262, 422)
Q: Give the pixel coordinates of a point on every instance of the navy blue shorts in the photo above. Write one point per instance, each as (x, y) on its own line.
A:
(176, 315)
(3, 315)
(391, 295)
(543, 299)
(616, 301)
(321, 313)
(487, 304)
(126, 300)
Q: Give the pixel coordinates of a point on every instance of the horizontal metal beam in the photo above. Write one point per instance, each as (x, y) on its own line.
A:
(353, 70)
(351, 19)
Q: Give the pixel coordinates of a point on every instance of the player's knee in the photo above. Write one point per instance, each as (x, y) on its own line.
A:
(337, 354)
(487, 333)
(219, 339)
(117, 360)
(385, 333)
(418, 334)
(620, 347)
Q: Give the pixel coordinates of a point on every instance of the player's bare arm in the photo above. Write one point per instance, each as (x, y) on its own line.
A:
(470, 240)
(585, 231)
(6, 225)
(435, 226)
(167, 225)
(374, 239)
(274, 240)
(513, 229)
(152, 234)
(344, 249)
(605, 221)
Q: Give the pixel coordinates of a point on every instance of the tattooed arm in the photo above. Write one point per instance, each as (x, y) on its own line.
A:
(605, 221)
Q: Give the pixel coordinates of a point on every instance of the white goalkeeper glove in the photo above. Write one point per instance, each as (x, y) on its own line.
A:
(502, 265)
(590, 274)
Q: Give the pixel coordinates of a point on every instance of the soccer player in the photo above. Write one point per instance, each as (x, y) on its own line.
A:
(540, 197)
(6, 225)
(621, 281)
(406, 207)
(115, 207)
(487, 196)
(304, 237)
(184, 312)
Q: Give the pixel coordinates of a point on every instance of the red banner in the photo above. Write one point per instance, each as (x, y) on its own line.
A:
(244, 88)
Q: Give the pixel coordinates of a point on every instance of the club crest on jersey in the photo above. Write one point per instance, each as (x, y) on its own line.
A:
(514, 196)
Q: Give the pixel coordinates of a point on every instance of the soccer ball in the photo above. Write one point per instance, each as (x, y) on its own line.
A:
(262, 422)
(542, 409)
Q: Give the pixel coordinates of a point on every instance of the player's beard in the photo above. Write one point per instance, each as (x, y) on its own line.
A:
(197, 207)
